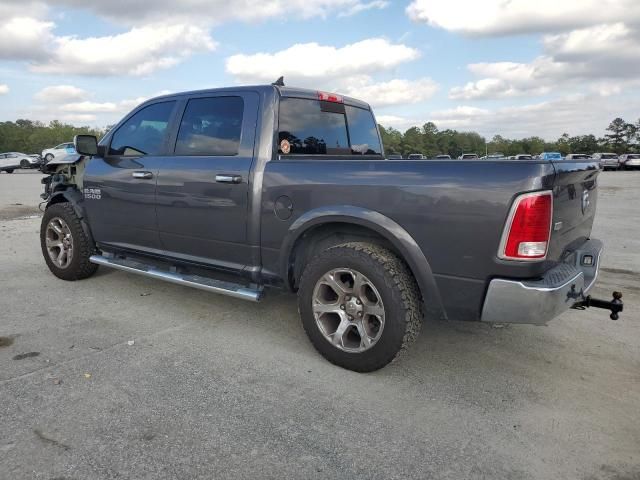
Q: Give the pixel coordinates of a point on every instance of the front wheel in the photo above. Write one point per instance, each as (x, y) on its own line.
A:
(9, 170)
(48, 157)
(65, 245)
(360, 305)
(24, 164)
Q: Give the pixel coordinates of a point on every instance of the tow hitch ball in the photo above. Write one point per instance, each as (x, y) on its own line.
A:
(615, 305)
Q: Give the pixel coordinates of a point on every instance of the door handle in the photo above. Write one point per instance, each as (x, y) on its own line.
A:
(145, 175)
(228, 178)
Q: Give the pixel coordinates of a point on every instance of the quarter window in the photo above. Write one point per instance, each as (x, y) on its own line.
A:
(211, 126)
(363, 132)
(144, 133)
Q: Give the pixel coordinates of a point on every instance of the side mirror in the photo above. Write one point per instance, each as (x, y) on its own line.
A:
(86, 144)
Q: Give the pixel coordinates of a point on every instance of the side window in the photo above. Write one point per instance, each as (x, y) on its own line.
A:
(144, 132)
(211, 126)
(306, 129)
(363, 132)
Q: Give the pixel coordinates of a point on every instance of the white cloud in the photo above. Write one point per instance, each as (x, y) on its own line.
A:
(60, 94)
(591, 57)
(139, 51)
(77, 118)
(24, 38)
(500, 17)
(397, 122)
(361, 7)
(494, 88)
(576, 114)
(393, 92)
(305, 63)
(4, 89)
(136, 12)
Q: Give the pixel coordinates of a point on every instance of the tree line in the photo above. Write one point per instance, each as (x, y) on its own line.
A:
(29, 136)
(621, 137)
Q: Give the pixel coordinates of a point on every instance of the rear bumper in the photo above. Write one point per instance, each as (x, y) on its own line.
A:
(538, 301)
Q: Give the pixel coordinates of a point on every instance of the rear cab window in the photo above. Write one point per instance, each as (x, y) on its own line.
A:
(323, 128)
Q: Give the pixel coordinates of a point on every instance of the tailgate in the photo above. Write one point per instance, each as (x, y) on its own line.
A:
(574, 205)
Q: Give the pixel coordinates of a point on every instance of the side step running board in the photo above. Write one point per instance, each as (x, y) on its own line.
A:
(195, 281)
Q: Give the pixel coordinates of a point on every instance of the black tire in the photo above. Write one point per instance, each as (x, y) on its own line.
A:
(398, 291)
(79, 266)
(24, 164)
(9, 170)
(48, 157)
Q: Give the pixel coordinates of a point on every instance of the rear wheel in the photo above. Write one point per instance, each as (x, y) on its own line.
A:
(360, 305)
(9, 170)
(65, 245)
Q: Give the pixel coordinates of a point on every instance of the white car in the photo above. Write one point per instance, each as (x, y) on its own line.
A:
(607, 160)
(58, 152)
(630, 160)
(9, 161)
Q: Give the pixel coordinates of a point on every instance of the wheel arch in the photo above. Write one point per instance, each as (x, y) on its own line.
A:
(326, 226)
(73, 196)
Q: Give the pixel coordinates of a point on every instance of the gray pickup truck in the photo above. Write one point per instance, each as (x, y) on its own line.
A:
(236, 189)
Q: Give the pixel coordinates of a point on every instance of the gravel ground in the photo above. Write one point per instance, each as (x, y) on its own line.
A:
(121, 376)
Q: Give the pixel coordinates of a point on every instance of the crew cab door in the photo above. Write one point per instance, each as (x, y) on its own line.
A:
(119, 188)
(203, 188)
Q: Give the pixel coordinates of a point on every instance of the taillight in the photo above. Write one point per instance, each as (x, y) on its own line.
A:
(330, 97)
(526, 234)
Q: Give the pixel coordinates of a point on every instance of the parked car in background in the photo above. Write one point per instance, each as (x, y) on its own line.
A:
(13, 160)
(443, 157)
(550, 156)
(416, 156)
(522, 156)
(394, 156)
(629, 161)
(7, 163)
(58, 152)
(578, 156)
(468, 156)
(608, 161)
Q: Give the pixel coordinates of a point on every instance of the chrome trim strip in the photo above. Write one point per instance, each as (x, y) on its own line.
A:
(186, 280)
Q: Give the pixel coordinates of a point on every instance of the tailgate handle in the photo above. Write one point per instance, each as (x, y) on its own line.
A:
(228, 178)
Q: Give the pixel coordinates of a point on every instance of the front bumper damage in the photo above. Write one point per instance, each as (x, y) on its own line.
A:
(537, 301)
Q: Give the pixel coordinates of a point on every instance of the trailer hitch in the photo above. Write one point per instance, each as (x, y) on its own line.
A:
(615, 305)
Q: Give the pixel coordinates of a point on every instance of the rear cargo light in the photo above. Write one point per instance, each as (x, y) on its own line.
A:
(330, 97)
(526, 234)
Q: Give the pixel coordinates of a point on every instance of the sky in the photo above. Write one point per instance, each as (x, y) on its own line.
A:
(511, 67)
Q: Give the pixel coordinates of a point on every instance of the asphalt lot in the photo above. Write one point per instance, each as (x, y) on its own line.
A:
(214, 387)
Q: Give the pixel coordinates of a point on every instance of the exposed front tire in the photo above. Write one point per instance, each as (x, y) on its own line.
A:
(24, 164)
(65, 245)
(48, 157)
(359, 305)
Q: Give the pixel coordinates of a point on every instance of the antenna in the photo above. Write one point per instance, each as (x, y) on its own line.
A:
(279, 82)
